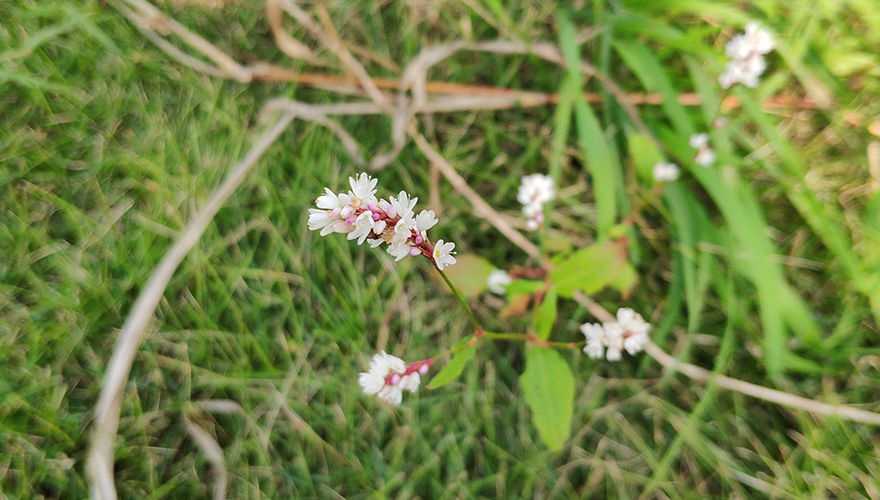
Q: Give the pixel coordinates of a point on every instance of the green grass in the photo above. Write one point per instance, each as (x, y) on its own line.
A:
(108, 147)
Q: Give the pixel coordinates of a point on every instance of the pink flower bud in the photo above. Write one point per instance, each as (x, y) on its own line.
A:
(395, 379)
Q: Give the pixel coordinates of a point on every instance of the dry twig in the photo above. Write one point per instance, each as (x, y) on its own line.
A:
(756, 391)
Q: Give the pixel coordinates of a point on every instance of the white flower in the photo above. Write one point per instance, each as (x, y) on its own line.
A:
(382, 367)
(391, 393)
(665, 172)
(697, 141)
(705, 156)
(631, 321)
(629, 332)
(403, 228)
(595, 335)
(759, 39)
(399, 250)
(410, 382)
(534, 191)
(746, 51)
(425, 220)
(613, 340)
(746, 71)
(635, 329)
(635, 342)
(363, 227)
(320, 219)
(536, 188)
(363, 189)
(532, 210)
(330, 200)
(403, 205)
(497, 280)
(443, 254)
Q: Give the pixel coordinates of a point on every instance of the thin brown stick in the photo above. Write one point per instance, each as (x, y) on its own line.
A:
(292, 47)
(756, 391)
(481, 208)
(150, 20)
(759, 392)
(212, 452)
(335, 46)
(157, 21)
(100, 461)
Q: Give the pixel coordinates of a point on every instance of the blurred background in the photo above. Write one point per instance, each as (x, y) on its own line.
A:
(109, 145)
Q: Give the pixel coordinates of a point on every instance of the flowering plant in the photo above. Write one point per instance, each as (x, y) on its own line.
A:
(547, 382)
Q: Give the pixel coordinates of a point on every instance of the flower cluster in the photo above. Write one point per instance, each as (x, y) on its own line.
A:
(629, 332)
(747, 53)
(665, 172)
(363, 217)
(534, 192)
(705, 156)
(389, 376)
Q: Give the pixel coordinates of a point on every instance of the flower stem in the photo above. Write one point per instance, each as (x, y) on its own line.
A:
(525, 337)
(477, 327)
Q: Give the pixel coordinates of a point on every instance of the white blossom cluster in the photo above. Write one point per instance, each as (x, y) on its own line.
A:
(534, 192)
(746, 51)
(363, 217)
(629, 332)
(705, 156)
(665, 172)
(389, 376)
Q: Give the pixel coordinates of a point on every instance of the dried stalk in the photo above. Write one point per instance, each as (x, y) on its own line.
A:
(100, 462)
(756, 391)
(213, 453)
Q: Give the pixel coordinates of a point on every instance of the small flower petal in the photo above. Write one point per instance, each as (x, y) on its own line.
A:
(443, 254)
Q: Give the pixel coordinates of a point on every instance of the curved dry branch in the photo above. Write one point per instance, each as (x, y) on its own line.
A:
(100, 461)
(756, 391)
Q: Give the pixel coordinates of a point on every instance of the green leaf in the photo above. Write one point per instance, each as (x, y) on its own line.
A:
(548, 388)
(593, 268)
(603, 166)
(469, 274)
(453, 369)
(644, 154)
(523, 286)
(650, 72)
(546, 315)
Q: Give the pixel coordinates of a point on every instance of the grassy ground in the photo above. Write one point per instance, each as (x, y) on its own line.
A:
(107, 147)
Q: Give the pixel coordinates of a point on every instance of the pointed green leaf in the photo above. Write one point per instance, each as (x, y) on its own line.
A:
(453, 369)
(602, 164)
(546, 315)
(548, 388)
(644, 154)
(523, 286)
(593, 268)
